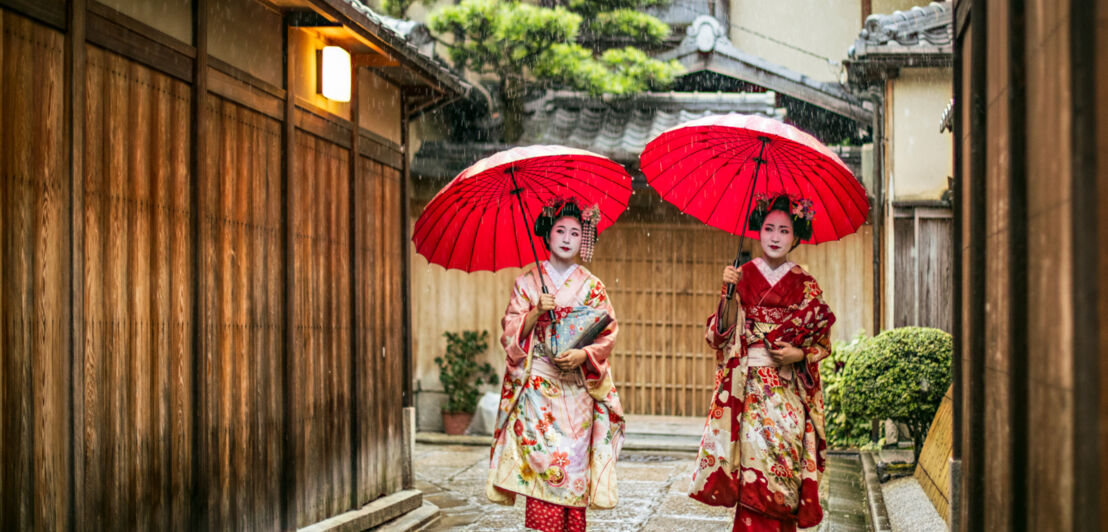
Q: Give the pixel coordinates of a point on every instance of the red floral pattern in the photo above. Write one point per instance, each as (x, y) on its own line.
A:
(763, 445)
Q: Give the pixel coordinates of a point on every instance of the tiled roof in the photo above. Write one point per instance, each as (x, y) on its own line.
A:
(620, 129)
(377, 25)
(616, 128)
(920, 30)
(707, 48)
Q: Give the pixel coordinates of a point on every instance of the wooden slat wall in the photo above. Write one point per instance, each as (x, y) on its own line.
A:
(935, 270)
(241, 242)
(34, 250)
(933, 469)
(140, 431)
(137, 297)
(664, 282)
(320, 354)
(379, 248)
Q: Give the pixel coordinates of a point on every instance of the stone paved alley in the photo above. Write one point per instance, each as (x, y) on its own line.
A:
(653, 485)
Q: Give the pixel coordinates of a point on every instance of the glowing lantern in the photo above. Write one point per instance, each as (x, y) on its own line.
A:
(334, 74)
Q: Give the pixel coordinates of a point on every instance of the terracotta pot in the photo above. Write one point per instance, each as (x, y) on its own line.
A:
(456, 423)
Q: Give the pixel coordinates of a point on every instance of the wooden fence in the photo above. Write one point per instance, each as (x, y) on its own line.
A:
(275, 403)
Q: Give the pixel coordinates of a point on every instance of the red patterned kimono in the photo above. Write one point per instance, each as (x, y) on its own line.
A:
(764, 447)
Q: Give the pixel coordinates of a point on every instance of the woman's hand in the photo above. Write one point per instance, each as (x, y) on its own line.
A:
(731, 275)
(786, 353)
(546, 303)
(570, 359)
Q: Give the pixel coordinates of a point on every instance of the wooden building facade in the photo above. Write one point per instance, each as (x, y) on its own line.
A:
(1031, 306)
(202, 263)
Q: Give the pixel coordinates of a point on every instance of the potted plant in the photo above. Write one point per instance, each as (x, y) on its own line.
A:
(460, 375)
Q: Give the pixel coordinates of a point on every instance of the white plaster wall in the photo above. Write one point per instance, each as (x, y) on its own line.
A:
(921, 158)
(172, 17)
(825, 28)
(248, 35)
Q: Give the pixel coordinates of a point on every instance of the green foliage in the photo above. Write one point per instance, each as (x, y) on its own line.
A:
(629, 24)
(502, 37)
(591, 7)
(396, 8)
(842, 430)
(900, 374)
(523, 43)
(459, 371)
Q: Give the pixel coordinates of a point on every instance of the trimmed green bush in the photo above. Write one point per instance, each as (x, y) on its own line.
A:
(900, 374)
(843, 431)
(459, 372)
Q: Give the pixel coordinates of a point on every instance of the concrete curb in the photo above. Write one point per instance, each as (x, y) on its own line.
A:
(875, 500)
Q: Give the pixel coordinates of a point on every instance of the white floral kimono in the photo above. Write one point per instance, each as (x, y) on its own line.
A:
(553, 440)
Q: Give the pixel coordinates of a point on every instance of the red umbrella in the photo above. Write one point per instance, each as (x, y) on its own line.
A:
(482, 219)
(711, 167)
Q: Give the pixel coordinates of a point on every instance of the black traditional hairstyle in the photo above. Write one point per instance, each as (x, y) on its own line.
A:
(799, 211)
(561, 208)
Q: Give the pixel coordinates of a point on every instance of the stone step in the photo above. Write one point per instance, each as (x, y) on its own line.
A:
(419, 519)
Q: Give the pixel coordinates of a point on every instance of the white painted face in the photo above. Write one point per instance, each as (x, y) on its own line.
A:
(777, 235)
(565, 238)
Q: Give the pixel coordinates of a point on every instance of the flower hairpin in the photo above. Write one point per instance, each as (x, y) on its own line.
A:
(802, 209)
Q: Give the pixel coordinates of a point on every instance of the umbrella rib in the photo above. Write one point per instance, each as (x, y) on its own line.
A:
(704, 183)
(838, 188)
(663, 141)
(477, 233)
(582, 181)
(705, 141)
(838, 201)
(438, 242)
(540, 178)
(789, 160)
(719, 154)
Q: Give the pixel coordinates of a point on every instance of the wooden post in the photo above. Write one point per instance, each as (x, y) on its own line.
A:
(1086, 280)
(200, 482)
(355, 353)
(75, 113)
(288, 138)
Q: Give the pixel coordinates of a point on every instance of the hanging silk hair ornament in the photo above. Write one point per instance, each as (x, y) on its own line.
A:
(589, 219)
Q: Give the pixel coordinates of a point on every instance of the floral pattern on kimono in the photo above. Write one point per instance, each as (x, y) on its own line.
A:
(553, 441)
(764, 445)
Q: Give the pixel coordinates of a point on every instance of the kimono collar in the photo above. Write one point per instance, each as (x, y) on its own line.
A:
(773, 275)
(558, 278)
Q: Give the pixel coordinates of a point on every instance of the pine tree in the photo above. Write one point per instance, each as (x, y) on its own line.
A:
(587, 45)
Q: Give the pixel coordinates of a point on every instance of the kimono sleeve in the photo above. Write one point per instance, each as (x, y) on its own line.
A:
(820, 347)
(601, 348)
(718, 340)
(515, 344)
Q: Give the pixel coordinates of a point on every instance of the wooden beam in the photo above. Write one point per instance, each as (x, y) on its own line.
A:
(374, 60)
(741, 70)
(50, 12)
(134, 40)
(75, 64)
(227, 87)
(322, 124)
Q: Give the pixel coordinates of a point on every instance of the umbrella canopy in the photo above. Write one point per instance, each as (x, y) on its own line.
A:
(711, 167)
(483, 219)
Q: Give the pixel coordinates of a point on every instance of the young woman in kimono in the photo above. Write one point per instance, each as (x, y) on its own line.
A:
(763, 447)
(560, 424)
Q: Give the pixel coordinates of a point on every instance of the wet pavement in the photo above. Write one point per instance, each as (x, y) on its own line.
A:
(653, 487)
